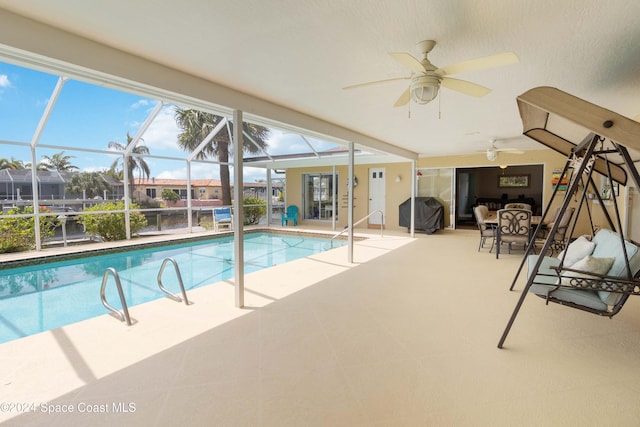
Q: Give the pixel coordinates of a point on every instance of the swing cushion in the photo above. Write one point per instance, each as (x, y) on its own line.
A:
(550, 279)
(577, 250)
(607, 245)
(588, 264)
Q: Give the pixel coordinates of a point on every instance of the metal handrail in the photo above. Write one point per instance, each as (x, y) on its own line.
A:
(359, 221)
(168, 292)
(124, 316)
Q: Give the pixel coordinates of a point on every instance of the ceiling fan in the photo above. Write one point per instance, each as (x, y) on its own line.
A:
(426, 78)
(493, 151)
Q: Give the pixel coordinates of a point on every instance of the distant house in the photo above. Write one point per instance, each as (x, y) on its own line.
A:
(201, 189)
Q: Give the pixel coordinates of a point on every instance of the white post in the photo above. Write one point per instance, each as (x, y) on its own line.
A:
(334, 196)
(414, 175)
(238, 219)
(36, 198)
(127, 196)
(189, 200)
(269, 197)
(350, 205)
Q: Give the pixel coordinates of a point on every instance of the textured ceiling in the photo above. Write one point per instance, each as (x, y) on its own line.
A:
(300, 54)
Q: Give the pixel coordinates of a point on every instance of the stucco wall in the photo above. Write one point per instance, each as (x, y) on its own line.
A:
(397, 192)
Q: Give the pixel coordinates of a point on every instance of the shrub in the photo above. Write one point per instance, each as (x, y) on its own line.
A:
(18, 234)
(169, 196)
(252, 214)
(111, 226)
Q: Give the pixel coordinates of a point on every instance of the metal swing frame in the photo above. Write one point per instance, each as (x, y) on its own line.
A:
(608, 134)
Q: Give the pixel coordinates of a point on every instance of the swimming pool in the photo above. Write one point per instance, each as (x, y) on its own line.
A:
(45, 296)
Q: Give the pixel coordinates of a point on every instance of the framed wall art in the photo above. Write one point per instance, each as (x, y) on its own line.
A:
(513, 181)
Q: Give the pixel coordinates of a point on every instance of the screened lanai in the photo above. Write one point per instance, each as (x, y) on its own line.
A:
(70, 122)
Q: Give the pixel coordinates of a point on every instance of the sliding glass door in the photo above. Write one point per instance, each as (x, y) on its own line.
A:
(438, 183)
(318, 195)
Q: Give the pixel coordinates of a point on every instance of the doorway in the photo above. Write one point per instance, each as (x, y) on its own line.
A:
(377, 195)
(483, 185)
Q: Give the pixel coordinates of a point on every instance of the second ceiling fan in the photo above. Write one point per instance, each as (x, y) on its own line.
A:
(426, 78)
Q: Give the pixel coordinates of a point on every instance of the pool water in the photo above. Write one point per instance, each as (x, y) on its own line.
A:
(46, 296)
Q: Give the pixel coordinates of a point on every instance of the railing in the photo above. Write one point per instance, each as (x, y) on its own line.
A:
(360, 221)
(168, 292)
(124, 315)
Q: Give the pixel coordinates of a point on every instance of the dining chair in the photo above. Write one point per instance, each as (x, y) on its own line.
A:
(560, 238)
(514, 226)
(526, 206)
(487, 231)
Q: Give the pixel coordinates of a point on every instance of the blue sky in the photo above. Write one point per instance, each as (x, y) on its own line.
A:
(91, 116)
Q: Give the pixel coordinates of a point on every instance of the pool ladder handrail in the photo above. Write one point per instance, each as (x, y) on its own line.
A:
(124, 315)
(165, 290)
(361, 220)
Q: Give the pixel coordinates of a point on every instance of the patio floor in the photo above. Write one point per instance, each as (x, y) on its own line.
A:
(405, 336)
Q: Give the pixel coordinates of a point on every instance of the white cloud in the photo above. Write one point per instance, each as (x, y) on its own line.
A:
(94, 169)
(163, 132)
(140, 104)
(209, 171)
(286, 143)
(4, 81)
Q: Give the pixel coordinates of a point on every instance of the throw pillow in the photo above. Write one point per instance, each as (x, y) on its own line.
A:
(577, 250)
(588, 265)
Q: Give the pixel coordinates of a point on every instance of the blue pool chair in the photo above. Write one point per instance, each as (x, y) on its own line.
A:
(290, 215)
(222, 217)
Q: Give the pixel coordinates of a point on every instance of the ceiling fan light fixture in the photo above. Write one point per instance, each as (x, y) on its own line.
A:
(492, 155)
(424, 89)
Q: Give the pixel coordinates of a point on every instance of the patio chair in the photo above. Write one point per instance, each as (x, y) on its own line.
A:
(290, 215)
(487, 231)
(514, 226)
(222, 217)
(518, 206)
(560, 237)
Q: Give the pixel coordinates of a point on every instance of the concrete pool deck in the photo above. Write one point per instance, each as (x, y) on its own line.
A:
(406, 335)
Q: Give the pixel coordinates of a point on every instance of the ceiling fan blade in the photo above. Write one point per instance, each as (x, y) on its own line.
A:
(375, 83)
(465, 87)
(403, 99)
(510, 150)
(408, 61)
(482, 63)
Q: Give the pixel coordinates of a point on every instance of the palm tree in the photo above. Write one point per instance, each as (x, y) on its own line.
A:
(41, 166)
(59, 162)
(89, 184)
(11, 164)
(196, 125)
(135, 161)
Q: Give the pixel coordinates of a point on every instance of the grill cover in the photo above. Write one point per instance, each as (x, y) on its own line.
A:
(429, 214)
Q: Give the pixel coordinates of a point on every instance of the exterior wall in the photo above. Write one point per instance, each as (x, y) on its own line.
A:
(397, 192)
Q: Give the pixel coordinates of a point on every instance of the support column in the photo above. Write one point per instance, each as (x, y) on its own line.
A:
(269, 198)
(189, 199)
(238, 214)
(34, 173)
(414, 178)
(350, 205)
(334, 196)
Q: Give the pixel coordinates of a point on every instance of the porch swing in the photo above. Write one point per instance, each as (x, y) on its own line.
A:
(595, 273)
